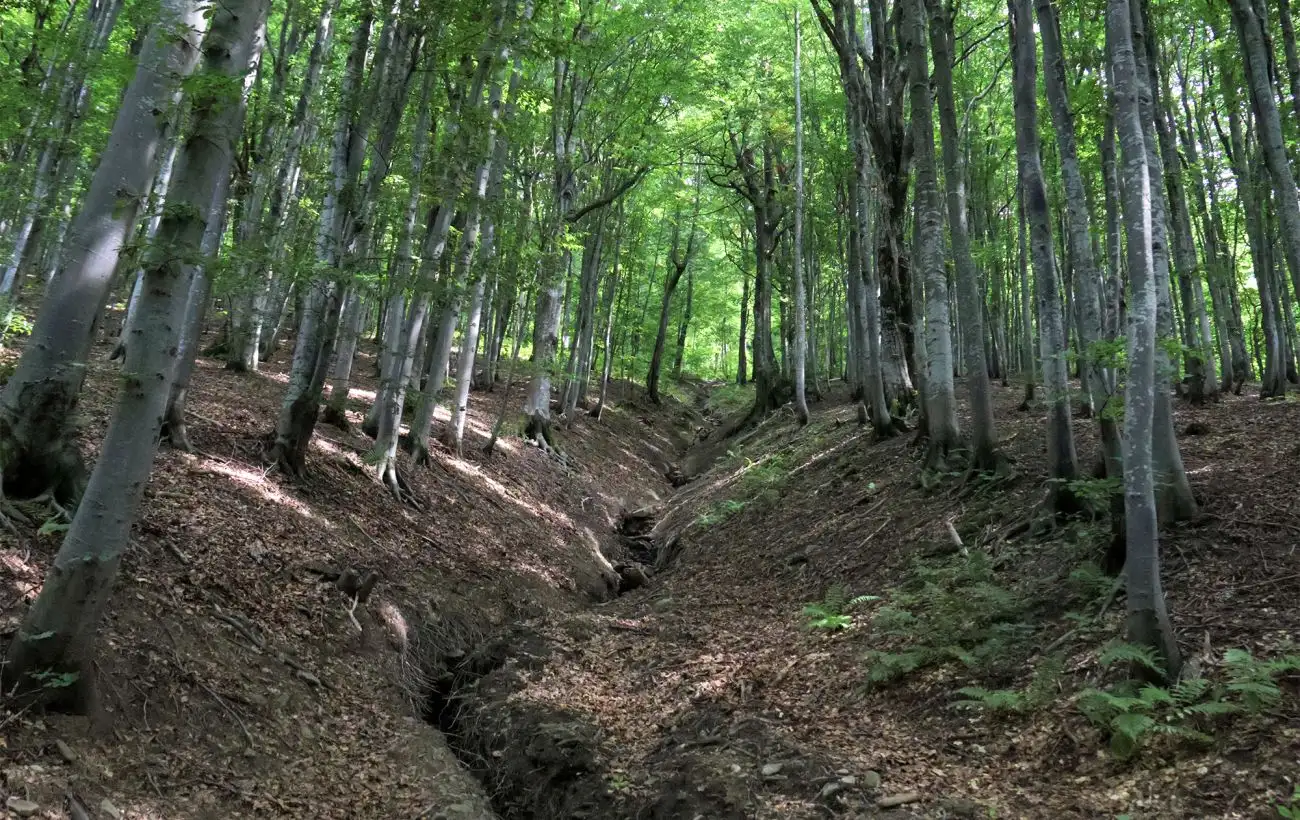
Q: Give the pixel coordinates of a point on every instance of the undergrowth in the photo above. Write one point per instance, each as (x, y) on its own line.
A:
(952, 611)
(758, 483)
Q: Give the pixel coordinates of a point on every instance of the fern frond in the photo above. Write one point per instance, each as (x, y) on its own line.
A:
(1121, 651)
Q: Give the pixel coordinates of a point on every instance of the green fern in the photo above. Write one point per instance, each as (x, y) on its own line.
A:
(1120, 651)
(992, 700)
(831, 613)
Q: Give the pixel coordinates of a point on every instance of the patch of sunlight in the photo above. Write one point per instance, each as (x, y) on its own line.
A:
(325, 446)
(355, 393)
(256, 481)
(532, 507)
(24, 577)
(825, 454)
(395, 623)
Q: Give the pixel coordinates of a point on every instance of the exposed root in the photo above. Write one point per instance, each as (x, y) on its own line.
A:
(401, 489)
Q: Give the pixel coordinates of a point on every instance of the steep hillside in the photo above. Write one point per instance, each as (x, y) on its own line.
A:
(238, 680)
(718, 694)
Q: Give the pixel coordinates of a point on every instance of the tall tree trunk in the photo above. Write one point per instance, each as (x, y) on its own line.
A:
(58, 632)
(341, 374)
(970, 301)
(609, 309)
(800, 351)
(37, 450)
(1148, 620)
(939, 394)
(1272, 144)
(680, 261)
(1088, 299)
(1174, 492)
(684, 326)
(489, 190)
(318, 325)
(1062, 461)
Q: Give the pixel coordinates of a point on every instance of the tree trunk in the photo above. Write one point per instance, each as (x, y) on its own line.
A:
(680, 262)
(800, 348)
(341, 375)
(319, 323)
(939, 394)
(1061, 459)
(39, 400)
(1088, 300)
(58, 633)
(970, 301)
(1174, 493)
(1264, 103)
(1148, 620)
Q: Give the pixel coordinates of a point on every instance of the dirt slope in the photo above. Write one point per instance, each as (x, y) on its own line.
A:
(714, 699)
(235, 683)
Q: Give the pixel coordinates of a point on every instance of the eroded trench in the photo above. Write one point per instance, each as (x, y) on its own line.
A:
(539, 762)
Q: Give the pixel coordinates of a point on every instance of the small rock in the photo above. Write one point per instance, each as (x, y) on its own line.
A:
(898, 800)
(21, 807)
(107, 808)
(841, 772)
(65, 751)
(871, 780)
(772, 769)
(831, 789)
(962, 807)
(849, 780)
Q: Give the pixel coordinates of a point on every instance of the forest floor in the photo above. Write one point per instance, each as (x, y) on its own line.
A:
(234, 682)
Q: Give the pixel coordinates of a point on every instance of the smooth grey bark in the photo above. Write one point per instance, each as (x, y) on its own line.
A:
(341, 374)
(487, 190)
(1233, 368)
(800, 348)
(1147, 617)
(1063, 466)
(1029, 359)
(318, 324)
(58, 633)
(1173, 491)
(439, 363)
(939, 393)
(578, 372)
(247, 341)
(1263, 101)
(1087, 297)
(1198, 360)
(37, 452)
(609, 310)
(57, 158)
(679, 260)
(970, 300)
(397, 349)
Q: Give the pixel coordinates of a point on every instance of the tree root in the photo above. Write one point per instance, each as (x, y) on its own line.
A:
(399, 486)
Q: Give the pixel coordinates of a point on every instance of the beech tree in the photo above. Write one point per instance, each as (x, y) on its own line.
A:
(57, 634)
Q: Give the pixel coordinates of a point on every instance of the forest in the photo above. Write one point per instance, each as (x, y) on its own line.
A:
(649, 408)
